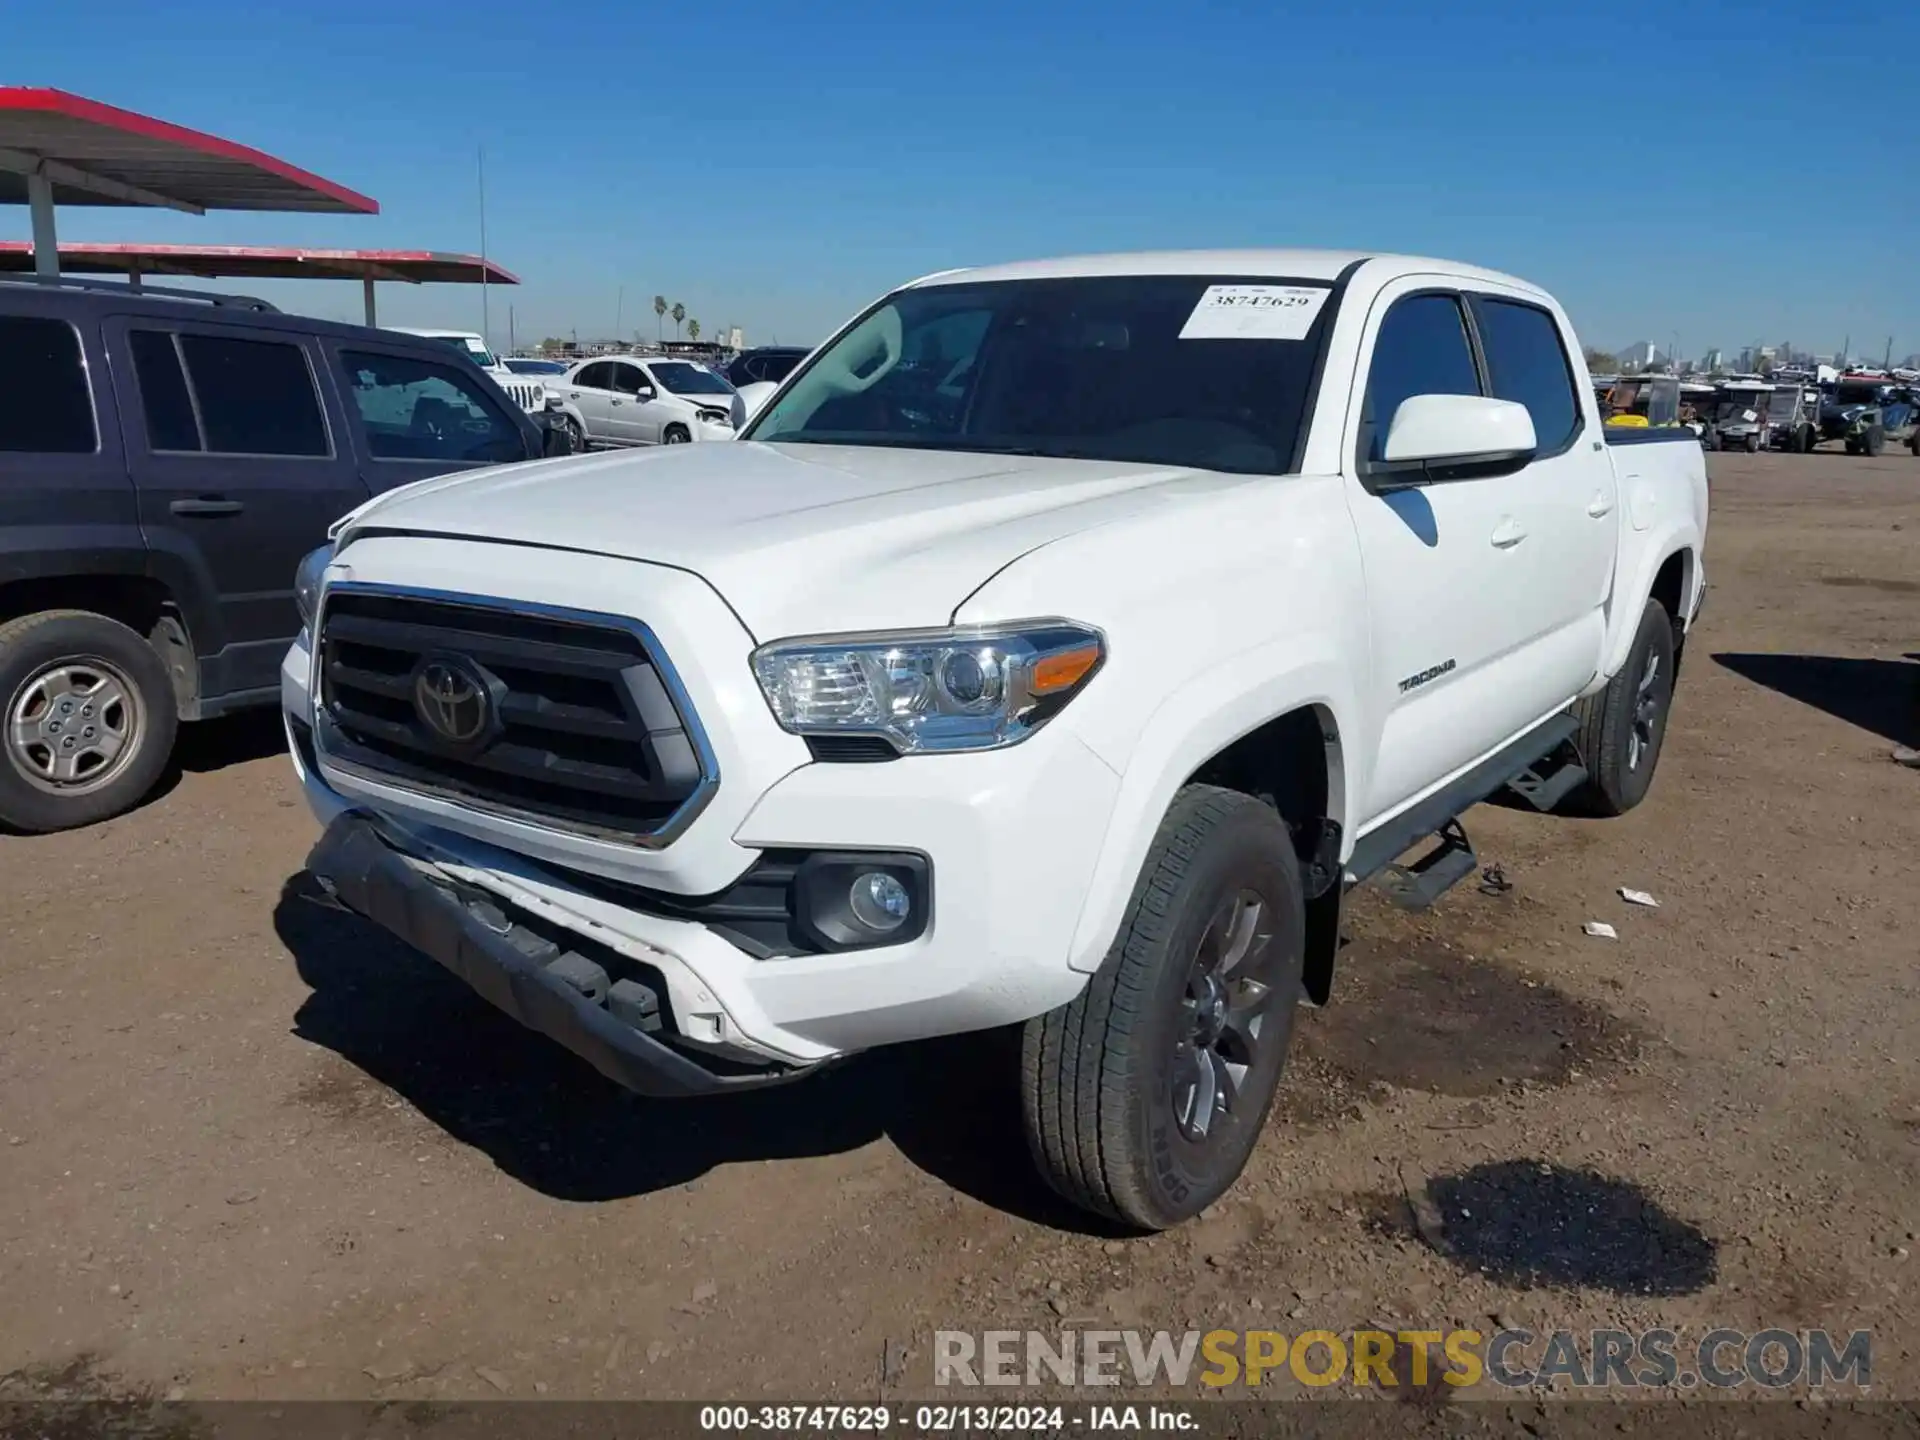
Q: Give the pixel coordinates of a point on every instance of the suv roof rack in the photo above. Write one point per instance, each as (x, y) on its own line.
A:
(164, 292)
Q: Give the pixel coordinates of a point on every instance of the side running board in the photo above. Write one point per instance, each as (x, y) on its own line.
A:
(1523, 765)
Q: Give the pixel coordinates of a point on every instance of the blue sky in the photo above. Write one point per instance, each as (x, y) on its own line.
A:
(1728, 171)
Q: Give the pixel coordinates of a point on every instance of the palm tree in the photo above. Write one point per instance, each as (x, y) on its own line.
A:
(659, 314)
(693, 329)
(679, 314)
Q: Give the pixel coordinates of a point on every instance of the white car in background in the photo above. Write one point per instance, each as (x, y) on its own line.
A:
(652, 400)
(526, 391)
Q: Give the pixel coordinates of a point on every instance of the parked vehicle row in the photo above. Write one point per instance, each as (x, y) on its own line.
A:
(1055, 648)
(166, 458)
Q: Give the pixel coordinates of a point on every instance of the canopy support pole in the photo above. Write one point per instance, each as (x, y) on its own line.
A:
(46, 248)
(366, 293)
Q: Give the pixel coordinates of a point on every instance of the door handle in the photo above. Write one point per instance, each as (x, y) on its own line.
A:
(616, 402)
(1508, 533)
(1601, 505)
(206, 505)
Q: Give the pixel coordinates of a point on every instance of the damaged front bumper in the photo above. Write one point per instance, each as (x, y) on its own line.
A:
(608, 1018)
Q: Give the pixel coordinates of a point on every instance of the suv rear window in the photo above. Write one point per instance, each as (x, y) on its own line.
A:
(256, 396)
(48, 409)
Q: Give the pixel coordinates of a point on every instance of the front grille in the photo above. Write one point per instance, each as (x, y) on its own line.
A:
(527, 395)
(584, 732)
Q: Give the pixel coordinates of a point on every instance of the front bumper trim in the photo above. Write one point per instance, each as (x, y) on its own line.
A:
(358, 868)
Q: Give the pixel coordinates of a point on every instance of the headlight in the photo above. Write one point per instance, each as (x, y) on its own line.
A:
(716, 417)
(306, 582)
(931, 690)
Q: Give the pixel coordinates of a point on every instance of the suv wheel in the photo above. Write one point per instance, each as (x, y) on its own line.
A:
(1622, 727)
(89, 719)
(1145, 1095)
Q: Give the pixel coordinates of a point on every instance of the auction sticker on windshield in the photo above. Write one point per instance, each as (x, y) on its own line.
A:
(1254, 312)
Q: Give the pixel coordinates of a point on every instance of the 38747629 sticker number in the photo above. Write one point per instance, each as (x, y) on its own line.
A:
(1254, 312)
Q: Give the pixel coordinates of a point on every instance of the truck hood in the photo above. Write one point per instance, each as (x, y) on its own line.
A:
(798, 539)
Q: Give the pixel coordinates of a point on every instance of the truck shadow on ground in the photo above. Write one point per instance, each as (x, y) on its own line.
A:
(1878, 695)
(553, 1123)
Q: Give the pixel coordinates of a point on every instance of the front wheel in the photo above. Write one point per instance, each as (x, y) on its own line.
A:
(1753, 444)
(89, 720)
(676, 435)
(1144, 1096)
(1622, 728)
(1874, 441)
(576, 437)
(1805, 438)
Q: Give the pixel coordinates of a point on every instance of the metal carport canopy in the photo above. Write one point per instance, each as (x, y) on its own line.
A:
(264, 262)
(62, 149)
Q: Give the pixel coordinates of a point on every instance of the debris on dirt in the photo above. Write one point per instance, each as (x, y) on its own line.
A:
(1601, 930)
(388, 1371)
(243, 1197)
(1494, 881)
(493, 1378)
(1427, 1223)
(658, 1351)
(704, 1292)
(613, 1353)
(1638, 897)
(893, 1363)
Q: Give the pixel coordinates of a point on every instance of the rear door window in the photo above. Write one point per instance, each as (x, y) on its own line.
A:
(171, 423)
(46, 407)
(256, 397)
(1526, 363)
(416, 409)
(1422, 349)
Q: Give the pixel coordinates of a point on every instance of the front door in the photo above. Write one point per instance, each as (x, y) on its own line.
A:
(239, 468)
(590, 392)
(633, 423)
(1446, 567)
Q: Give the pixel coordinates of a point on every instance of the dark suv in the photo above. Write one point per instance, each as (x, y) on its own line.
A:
(770, 362)
(166, 459)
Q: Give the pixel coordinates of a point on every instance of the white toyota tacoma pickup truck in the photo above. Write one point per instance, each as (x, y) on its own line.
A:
(1056, 648)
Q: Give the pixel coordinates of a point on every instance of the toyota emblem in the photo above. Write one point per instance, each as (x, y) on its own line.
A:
(453, 700)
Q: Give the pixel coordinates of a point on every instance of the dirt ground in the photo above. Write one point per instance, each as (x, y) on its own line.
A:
(249, 1148)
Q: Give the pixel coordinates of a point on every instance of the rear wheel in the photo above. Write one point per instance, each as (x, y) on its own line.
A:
(1623, 727)
(89, 719)
(1145, 1095)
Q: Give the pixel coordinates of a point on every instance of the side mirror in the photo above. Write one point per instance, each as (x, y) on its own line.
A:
(753, 398)
(1456, 437)
(644, 392)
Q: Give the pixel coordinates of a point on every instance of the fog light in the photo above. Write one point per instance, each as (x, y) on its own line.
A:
(879, 901)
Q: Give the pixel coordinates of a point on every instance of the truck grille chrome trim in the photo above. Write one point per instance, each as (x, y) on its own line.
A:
(571, 720)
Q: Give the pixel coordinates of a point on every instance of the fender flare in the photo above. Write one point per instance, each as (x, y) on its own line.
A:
(1678, 538)
(1207, 713)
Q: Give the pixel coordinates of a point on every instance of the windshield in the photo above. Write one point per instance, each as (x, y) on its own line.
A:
(683, 378)
(1190, 370)
(536, 367)
(1856, 394)
(1780, 406)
